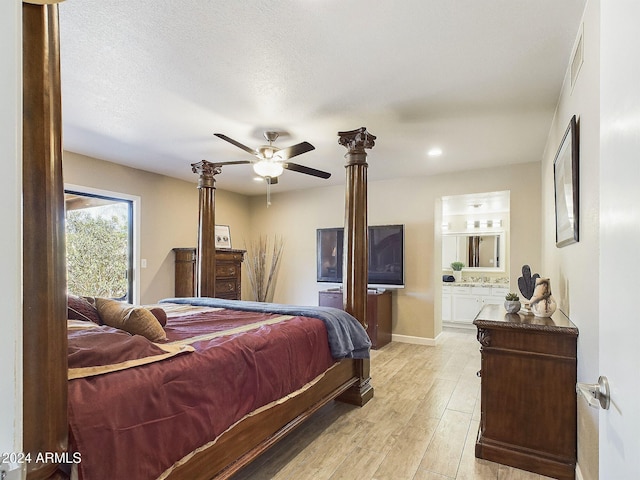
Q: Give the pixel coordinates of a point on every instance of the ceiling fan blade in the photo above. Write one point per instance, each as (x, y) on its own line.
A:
(235, 162)
(237, 144)
(293, 150)
(294, 167)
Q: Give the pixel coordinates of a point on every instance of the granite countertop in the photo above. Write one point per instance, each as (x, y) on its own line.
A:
(503, 284)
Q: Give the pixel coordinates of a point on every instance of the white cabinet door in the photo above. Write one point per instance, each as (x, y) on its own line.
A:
(466, 301)
(499, 291)
(492, 300)
(481, 291)
(446, 307)
(496, 297)
(465, 307)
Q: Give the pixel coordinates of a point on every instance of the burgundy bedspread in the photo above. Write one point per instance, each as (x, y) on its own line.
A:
(136, 423)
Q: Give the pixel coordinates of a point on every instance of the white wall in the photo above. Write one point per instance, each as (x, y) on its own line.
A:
(11, 251)
(574, 269)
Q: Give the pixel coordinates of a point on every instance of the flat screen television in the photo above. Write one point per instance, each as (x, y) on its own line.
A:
(386, 255)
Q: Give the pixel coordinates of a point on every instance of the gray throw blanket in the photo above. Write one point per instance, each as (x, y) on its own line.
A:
(347, 337)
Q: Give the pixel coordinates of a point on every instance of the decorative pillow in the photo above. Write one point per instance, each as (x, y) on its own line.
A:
(79, 308)
(135, 320)
(160, 314)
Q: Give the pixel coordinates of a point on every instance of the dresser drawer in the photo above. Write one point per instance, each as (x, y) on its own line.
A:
(226, 270)
(228, 256)
(225, 287)
(227, 296)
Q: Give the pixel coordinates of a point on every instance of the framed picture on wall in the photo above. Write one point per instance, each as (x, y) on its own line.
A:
(566, 186)
(223, 236)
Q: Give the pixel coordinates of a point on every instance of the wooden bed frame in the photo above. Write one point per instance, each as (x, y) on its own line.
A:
(45, 311)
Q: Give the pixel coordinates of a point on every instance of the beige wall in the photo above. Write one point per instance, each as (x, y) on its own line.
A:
(169, 214)
(573, 269)
(412, 202)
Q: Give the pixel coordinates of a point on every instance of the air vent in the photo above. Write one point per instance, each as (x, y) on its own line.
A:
(578, 57)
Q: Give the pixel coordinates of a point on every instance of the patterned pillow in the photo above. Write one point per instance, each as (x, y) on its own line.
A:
(79, 308)
(135, 320)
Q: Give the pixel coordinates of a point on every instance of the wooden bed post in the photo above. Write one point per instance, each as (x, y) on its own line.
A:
(44, 260)
(206, 251)
(355, 260)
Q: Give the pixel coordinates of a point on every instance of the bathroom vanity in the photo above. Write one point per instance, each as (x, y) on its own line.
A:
(461, 302)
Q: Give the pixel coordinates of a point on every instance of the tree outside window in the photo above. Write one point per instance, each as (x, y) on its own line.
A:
(98, 247)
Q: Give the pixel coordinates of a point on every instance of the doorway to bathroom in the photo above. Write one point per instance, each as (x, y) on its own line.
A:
(475, 239)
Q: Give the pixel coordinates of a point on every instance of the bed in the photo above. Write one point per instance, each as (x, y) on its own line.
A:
(141, 409)
(45, 343)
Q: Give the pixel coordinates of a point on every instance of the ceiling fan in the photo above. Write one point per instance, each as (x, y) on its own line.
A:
(271, 161)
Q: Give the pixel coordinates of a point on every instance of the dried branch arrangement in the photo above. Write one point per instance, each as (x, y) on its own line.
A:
(262, 264)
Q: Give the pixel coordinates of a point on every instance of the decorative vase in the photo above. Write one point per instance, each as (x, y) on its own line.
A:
(542, 302)
(457, 275)
(512, 306)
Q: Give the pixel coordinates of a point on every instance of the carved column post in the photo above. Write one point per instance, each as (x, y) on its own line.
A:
(355, 267)
(355, 222)
(206, 251)
(44, 260)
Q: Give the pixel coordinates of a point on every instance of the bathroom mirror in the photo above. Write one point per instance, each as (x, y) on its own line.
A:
(478, 251)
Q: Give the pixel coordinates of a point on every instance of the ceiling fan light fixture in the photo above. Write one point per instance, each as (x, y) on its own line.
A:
(266, 168)
(267, 151)
(271, 161)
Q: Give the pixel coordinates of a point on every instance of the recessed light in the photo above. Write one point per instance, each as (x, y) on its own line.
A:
(435, 152)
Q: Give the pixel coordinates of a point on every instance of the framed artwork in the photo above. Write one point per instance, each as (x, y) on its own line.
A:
(566, 188)
(223, 236)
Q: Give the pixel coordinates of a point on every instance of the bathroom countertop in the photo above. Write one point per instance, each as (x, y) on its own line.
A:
(476, 284)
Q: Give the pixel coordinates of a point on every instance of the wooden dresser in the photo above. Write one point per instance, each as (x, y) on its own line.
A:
(378, 313)
(228, 273)
(528, 397)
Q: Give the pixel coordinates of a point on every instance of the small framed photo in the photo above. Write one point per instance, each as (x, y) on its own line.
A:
(566, 187)
(223, 236)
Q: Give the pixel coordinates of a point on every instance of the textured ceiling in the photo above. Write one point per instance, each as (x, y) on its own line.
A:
(147, 83)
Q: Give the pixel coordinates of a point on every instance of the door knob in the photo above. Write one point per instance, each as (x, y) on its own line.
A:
(596, 394)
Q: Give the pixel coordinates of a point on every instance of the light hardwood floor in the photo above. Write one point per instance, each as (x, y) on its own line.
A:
(420, 425)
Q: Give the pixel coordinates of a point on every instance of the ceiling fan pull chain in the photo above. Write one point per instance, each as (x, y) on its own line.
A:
(268, 179)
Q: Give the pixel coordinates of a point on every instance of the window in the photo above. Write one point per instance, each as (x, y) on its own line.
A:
(100, 238)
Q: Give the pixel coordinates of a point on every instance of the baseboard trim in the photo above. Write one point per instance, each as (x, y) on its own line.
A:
(458, 327)
(579, 473)
(431, 342)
